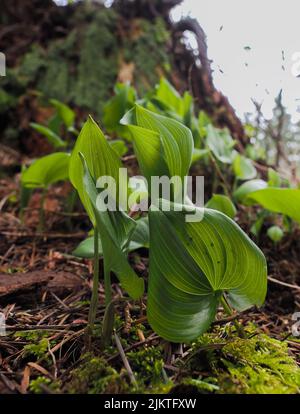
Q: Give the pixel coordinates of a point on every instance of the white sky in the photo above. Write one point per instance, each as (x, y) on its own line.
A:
(268, 27)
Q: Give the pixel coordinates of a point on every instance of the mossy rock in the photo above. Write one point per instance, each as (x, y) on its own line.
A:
(255, 365)
(81, 67)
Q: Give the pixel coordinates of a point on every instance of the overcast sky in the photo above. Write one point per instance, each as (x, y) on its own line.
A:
(268, 27)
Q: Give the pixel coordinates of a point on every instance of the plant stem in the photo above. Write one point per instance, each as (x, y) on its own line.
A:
(107, 285)
(42, 212)
(94, 298)
(25, 194)
(221, 175)
(72, 198)
(228, 310)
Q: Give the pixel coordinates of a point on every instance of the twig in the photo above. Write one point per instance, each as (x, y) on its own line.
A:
(43, 327)
(207, 347)
(134, 346)
(283, 283)
(124, 359)
(129, 158)
(53, 359)
(58, 213)
(78, 235)
(225, 320)
(4, 258)
(59, 301)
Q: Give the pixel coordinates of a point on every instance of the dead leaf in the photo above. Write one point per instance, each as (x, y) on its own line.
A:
(126, 72)
(25, 380)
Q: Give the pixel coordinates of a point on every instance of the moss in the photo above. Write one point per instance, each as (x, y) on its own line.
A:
(148, 51)
(94, 376)
(38, 343)
(36, 385)
(260, 365)
(147, 364)
(7, 101)
(38, 350)
(32, 63)
(33, 336)
(11, 134)
(81, 68)
(202, 386)
(255, 365)
(98, 65)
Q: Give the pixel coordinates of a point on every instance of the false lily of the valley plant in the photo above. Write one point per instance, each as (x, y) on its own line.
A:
(194, 266)
(93, 157)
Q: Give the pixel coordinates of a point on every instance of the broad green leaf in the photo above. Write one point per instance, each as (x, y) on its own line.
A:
(140, 238)
(54, 123)
(100, 157)
(66, 114)
(115, 229)
(243, 168)
(246, 188)
(46, 170)
(169, 96)
(222, 203)
(220, 143)
(274, 179)
(168, 102)
(203, 122)
(140, 235)
(198, 154)
(119, 147)
(163, 146)
(192, 264)
(148, 149)
(256, 151)
(278, 200)
(117, 106)
(51, 136)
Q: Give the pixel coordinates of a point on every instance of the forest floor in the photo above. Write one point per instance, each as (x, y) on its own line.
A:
(45, 292)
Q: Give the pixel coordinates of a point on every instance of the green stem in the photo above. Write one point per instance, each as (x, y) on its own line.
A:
(94, 298)
(42, 212)
(228, 310)
(221, 175)
(72, 198)
(107, 285)
(25, 194)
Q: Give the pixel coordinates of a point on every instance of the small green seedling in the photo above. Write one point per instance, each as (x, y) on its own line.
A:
(52, 137)
(275, 233)
(64, 115)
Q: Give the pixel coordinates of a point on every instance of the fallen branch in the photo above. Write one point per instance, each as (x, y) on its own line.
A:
(278, 282)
